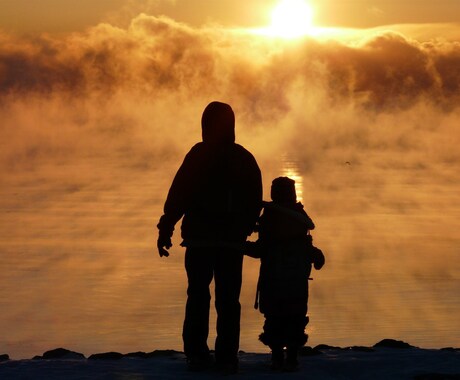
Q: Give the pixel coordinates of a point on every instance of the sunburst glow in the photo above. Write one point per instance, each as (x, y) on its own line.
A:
(292, 18)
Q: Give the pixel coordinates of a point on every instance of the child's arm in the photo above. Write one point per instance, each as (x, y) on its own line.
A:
(316, 256)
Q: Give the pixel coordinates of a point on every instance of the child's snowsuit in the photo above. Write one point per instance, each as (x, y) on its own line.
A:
(286, 252)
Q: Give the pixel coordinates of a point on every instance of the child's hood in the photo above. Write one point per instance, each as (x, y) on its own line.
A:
(292, 212)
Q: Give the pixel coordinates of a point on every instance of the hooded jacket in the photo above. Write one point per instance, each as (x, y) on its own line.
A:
(217, 189)
(286, 252)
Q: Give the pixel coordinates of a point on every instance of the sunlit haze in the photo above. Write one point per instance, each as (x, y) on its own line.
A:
(358, 101)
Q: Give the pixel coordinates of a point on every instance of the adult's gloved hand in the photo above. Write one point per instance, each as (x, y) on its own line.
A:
(163, 244)
(165, 232)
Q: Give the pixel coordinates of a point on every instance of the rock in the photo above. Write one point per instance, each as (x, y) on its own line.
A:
(450, 349)
(361, 349)
(326, 347)
(308, 351)
(157, 353)
(4, 358)
(139, 354)
(106, 356)
(62, 353)
(391, 343)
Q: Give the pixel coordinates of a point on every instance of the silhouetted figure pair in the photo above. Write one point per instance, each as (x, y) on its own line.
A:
(287, 254)
(218, 192)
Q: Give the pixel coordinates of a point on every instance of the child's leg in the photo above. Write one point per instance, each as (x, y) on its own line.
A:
(277, 358)
(273, 331)
(292, 363)
(295, 330)
(296, 338)
(273, 337)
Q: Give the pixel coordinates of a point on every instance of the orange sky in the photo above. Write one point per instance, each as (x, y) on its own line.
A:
(64, 16)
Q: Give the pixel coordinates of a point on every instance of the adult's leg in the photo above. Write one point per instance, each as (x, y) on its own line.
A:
(199, 266)
(228, 277)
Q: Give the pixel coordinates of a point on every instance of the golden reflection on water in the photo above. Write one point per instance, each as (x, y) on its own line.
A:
(290, 169)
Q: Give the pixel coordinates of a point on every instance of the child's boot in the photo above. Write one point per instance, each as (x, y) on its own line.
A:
(292, 364)
(277, 358)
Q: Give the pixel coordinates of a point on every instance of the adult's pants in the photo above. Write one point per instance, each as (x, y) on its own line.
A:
(225, 266)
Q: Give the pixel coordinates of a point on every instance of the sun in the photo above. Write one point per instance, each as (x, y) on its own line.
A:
(291, 18)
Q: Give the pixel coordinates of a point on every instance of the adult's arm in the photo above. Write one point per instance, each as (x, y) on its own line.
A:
(177, 199)
(254, 192)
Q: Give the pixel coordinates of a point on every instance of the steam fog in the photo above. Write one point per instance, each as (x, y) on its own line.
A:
(94, 125)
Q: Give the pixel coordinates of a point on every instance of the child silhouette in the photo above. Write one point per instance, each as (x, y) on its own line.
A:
(286, 252)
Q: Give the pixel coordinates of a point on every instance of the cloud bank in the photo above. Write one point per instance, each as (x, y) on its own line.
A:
(158, 74)
(156, 54)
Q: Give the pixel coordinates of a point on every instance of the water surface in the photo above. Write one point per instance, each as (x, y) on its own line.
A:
(79, 266)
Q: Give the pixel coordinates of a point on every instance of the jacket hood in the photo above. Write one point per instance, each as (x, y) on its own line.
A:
(283, 190)
(218, 123)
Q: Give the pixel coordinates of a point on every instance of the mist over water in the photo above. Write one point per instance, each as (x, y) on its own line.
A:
(95, 124)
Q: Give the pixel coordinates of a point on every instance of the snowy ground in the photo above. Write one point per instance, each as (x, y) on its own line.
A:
(322, 363)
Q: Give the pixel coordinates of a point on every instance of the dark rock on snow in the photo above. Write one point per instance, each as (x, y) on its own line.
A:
(361, 348)
(153, 354)
(139, 354)
(163, 353)
(106, 356)
(309, 351)
(326, 347)
(62, 353)
(450, 349)
(391, 343)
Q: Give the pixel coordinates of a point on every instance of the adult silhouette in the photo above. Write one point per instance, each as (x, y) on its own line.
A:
(218, 192)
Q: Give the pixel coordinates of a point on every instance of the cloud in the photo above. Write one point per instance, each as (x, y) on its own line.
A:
(156, 53)
(375, 11)
(125, 94)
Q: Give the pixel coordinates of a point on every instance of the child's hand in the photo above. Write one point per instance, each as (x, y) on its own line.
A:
(318, 258)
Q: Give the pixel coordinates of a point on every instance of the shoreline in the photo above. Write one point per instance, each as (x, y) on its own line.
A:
(387, 359)
(66, 354)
